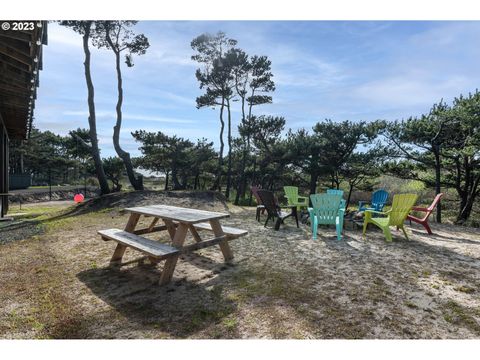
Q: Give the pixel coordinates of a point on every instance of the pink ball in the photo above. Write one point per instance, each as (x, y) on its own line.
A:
(78, 198)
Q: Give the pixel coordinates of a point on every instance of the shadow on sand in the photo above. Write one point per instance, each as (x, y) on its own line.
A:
(181, 309)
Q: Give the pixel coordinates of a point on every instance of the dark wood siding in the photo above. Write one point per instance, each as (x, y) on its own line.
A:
(3, 168)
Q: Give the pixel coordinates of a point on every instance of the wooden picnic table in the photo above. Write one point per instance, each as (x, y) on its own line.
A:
(178, 222)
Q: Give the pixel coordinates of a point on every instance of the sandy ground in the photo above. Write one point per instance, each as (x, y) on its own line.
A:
(282, 284)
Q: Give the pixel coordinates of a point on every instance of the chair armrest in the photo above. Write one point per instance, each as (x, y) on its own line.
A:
(362, 203)
(378, 212)
(418, 208)
(302, 199)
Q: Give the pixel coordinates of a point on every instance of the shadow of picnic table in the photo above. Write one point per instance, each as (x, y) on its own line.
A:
(181, 309)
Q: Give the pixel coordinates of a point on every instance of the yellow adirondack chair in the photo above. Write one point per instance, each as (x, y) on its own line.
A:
(401, 206)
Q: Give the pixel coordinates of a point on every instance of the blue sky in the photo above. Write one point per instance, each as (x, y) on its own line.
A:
(353, 70)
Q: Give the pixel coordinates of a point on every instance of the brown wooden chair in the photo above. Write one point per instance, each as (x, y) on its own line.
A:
(274, 211)
(424, 220)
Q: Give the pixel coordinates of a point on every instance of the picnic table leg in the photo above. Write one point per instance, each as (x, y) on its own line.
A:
(171, 228)
(120, 249)
(178, 239)
(217, 230)
(152, 225)
(194, 232)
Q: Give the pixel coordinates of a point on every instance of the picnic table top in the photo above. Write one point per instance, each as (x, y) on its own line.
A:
(180, 214)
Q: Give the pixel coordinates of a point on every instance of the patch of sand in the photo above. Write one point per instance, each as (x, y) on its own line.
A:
(281, 284)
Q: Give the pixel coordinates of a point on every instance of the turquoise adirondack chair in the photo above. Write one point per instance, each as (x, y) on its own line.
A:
(291, 193)
(379, 199)
(343, 203)
(326, 211)
(401, 206)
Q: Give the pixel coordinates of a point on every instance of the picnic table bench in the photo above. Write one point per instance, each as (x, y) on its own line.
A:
(178, 222)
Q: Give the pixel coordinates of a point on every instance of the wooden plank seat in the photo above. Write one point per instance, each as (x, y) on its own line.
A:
(161, 251)
(230, 232)
(150, 247)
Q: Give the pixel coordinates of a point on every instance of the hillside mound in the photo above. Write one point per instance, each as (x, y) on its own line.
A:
(205, 200)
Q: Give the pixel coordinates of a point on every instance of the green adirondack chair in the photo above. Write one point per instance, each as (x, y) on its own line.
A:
(326, 211)
(291, 193)
(401, 206)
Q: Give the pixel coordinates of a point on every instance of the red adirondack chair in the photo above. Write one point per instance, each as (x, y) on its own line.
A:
(424, 221)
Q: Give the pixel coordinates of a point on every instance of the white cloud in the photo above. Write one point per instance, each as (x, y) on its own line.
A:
(63, 36)
(98, 114)
(169, 57)
(406, 91)
(129, 116)
(157, 119)
(293, 66)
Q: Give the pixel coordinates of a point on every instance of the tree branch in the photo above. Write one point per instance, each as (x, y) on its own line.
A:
(83, 142)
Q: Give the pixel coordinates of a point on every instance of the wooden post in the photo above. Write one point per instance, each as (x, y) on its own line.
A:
(170, 263)
(217, 230)
(120, 249)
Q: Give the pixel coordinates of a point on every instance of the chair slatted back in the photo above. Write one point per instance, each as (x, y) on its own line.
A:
(435, 202)
(254, 190)
(343, 203)
(335, 191)
(268, 200)
(325, 207)
(401, 206)
(379, 199)
(291, 193)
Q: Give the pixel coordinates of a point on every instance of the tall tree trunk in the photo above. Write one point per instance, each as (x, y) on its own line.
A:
(217, 183)
(313, 183)
(253, 179)
(167, 173)
(196, 183)
(313, 173)
(229, 167)
(102, 179)
(350, 190)
(137, 183)
(241, 179)
(467, 198)
(436, 152)
(176, 183)
(465, 211)
(243, 186)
